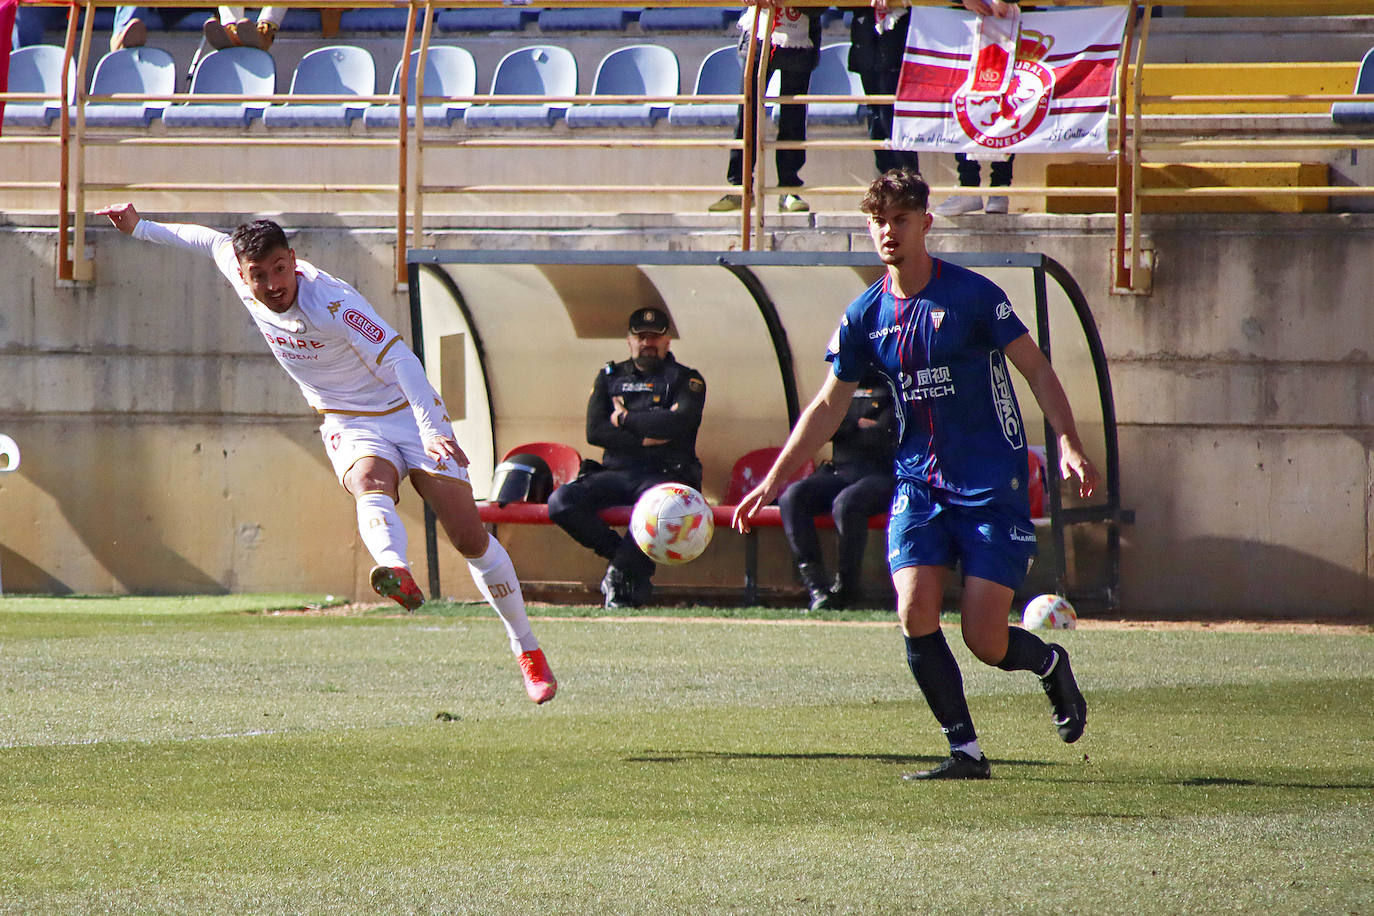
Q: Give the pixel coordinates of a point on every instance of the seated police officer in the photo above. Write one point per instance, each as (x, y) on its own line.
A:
(855, 485)
(644, 412)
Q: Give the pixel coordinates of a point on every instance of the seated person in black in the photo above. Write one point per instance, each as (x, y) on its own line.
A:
(855, 485)
(644, 412)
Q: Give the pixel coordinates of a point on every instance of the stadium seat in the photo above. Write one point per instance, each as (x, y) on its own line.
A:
(590, 19)
(300, 19)
(535, 70)
(719, 74)
(689, 19)
(378, 20)
(563, 460)
(833, 77)
(139, 71)
(336, 70)
(38, 68)
(486, 20)
(1358, 112)
(449, 71)
(643, 70)
(749, 471)
(232, 71)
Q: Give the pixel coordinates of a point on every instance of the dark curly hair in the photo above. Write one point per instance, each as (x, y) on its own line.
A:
(900, 188)
(252, 241)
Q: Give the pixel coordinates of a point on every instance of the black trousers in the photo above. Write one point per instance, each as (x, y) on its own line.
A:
(970, 171)
(881, 82)
(574, 506)
(852, 494)
(791, 126)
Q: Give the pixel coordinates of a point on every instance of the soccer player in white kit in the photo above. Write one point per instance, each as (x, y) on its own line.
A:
(382, 418)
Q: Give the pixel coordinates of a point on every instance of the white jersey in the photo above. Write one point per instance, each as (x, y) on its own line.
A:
(331, 341)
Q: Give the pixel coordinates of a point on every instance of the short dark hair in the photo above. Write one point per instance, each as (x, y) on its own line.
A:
(904, 189)
(252, 241)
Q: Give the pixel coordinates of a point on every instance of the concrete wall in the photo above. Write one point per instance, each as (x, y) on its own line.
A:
(163, 451)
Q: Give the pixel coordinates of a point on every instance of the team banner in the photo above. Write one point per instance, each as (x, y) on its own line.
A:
(1030, 83)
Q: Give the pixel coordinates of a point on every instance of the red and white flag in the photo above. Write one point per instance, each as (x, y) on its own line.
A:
(972, 84)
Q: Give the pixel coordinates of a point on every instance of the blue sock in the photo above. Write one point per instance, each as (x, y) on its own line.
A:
(937, 674)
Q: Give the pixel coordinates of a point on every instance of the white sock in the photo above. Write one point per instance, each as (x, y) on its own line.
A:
(971, 748)
(495, 576)
(380, 525)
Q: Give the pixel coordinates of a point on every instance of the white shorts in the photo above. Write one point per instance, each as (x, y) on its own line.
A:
(393, 437)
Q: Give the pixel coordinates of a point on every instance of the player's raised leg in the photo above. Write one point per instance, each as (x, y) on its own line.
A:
(920, 592)
(373, 482)
(493, 573)
(984, 614)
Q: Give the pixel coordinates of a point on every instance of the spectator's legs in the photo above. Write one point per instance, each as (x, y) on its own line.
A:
(867, 496)
(799, 505)
(970, 171)
(131, 27)
(791, 127)
(879, 119)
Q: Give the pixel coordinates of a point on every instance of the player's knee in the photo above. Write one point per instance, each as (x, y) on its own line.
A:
(470, 543)
(986, 649)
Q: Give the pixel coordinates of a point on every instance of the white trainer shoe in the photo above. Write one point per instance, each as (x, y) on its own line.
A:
(996, 204)
(959, 204)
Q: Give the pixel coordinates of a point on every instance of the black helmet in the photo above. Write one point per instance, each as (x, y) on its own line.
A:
(522, 478)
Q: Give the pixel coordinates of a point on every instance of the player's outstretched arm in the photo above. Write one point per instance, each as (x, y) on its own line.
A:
(1054, 403)
(124, 217)
(814, 428)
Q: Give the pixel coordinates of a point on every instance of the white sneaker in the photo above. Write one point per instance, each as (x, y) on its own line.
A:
(996, 204)
(959, 204)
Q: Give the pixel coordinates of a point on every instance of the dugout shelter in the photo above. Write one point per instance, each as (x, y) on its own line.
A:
(512, 339)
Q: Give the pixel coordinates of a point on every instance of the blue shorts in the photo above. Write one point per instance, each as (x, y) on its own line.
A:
(993, 542)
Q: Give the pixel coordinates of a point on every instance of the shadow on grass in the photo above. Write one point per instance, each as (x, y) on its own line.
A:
(1025, 768)
(685, 756)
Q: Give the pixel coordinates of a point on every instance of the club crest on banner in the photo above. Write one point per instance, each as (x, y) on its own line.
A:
(1001, 118)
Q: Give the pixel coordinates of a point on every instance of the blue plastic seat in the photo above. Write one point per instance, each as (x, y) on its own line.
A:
(449, 71)
(378, 20)
(720, 74)
(590, 19)
(1358, 112)
(336, 70)
(644, 70)
(236, 71)
(688, 19)
(486, 20)
(38, 68)
(833, 77)
(141, 71)
(535, 70)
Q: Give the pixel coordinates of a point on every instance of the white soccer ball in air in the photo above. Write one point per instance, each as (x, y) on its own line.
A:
(1049, 612)
(672, 523)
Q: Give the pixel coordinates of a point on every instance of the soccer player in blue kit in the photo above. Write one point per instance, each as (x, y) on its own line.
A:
(942, 335)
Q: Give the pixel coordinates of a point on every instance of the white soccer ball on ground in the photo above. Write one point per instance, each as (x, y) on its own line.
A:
(672, 523)
(1049, 612)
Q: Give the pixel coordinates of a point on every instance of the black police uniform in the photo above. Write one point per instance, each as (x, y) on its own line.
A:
(856, 485)
(665, 403)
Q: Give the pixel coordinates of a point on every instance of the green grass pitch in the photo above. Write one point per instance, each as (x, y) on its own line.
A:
(209, 756)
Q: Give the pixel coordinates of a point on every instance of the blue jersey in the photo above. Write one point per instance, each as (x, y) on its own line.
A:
(960, 429)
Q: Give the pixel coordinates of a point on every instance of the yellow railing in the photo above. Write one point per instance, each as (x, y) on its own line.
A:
(1136, 138)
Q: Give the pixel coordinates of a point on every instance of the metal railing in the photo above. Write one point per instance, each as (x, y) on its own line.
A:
(1136, 137)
